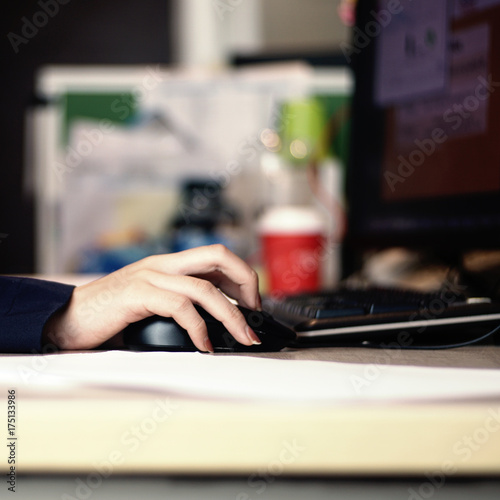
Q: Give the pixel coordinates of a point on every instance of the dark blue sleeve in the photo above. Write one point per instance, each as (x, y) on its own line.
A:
(25, 306)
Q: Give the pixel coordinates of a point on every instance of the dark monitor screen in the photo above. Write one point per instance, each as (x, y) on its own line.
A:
(425, 147)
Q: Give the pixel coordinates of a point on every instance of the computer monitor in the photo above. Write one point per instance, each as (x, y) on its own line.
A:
(424, 169)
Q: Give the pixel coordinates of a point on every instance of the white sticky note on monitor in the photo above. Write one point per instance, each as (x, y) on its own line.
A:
(412, 51)
(458, 112)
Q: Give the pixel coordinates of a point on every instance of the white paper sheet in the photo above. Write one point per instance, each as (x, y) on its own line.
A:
(468, 69)
(245, 378)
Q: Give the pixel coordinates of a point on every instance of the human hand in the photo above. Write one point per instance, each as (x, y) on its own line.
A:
(168, 285)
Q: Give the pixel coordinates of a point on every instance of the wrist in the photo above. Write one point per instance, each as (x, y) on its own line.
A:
(51, 335)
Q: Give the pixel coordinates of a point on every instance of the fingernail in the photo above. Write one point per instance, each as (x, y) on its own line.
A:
(252, 336)
(208, 345)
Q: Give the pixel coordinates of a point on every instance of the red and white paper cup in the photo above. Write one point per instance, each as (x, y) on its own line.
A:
(292, 245)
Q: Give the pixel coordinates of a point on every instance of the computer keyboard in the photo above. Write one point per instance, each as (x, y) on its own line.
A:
(373, 313)
(358, 301)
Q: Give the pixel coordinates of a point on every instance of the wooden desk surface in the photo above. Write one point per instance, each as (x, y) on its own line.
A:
(464, 357)
(101, 431)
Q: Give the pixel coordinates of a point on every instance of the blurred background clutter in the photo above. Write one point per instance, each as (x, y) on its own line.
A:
(132, 128)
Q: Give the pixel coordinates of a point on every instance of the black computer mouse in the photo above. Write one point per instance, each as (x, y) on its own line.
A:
(157, 333)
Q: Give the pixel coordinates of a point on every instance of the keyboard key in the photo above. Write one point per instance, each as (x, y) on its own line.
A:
(338, 313)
